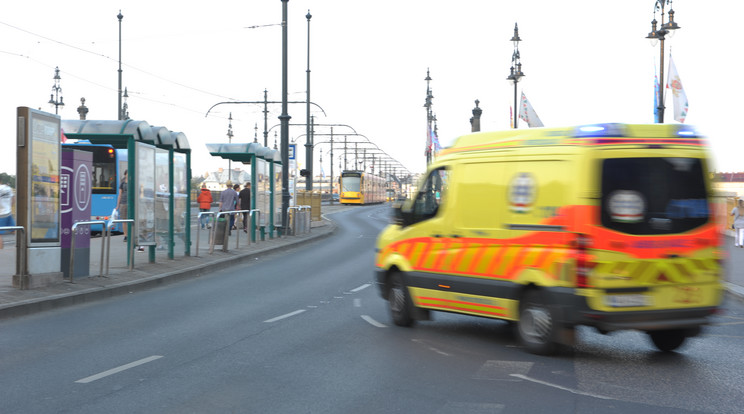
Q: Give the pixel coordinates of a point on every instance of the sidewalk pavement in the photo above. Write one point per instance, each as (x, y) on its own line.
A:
(16, 302)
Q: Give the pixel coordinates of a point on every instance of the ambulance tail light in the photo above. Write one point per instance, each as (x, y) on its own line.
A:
(584, 260)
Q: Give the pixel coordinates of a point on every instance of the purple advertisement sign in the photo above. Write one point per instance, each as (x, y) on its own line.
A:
(75, 196)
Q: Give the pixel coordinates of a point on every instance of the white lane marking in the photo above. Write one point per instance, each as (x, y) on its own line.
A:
(373, 322)
(577, 392)
(364, 286)
(431, 348)
(285, 316)
(118, 369)
(357, 303)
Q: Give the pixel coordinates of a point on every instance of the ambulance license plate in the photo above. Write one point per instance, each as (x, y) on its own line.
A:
(628, 300)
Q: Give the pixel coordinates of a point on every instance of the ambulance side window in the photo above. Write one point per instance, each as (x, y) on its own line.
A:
(431, 195)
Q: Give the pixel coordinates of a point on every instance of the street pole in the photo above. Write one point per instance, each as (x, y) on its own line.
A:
(515, 72)
(119, 111)
(284, 119)
(309, 137)
(660, 35)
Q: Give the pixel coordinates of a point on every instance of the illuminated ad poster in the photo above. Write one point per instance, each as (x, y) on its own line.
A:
(277, 195)
(44, 209)
(263, 191)
(180, 188)
(162, 192)
(145, 194)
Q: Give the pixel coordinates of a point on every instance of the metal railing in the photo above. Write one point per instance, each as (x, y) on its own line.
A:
(21, 244)
(73, 230)
(108, 242)
(198, 233)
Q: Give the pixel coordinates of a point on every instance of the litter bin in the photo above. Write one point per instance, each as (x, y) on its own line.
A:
(219, 230)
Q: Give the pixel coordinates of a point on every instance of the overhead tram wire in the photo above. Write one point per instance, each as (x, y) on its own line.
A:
(115, 60)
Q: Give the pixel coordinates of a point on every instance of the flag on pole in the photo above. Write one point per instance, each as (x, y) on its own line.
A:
(428, 139)
(511, 117)
(435, 142)
(656, 96)
(680, 97)
(528, 114)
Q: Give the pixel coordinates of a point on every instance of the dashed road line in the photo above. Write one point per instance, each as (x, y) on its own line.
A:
(373, 322)
(118, 369)
(285, 316)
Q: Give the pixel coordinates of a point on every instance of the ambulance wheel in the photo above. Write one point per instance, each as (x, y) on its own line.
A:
(400, 301)
(536, 325)
(668, 340)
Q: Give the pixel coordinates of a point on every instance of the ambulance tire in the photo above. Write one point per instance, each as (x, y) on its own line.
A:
(401, 306)
(668, 340)
(536, 326)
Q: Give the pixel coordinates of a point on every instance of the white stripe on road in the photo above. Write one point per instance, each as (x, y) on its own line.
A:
(577, 392)
(118, 369)
(373, 322)
(288, 315)
(364, 286)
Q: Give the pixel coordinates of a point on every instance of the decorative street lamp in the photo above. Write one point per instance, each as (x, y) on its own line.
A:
(515, 72)
(659, 35)
(309, 137)
(229, 140)
(120, 109)
(55, 98)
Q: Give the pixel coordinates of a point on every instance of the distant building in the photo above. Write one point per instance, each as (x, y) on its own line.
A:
(729, 182)
(216, 180)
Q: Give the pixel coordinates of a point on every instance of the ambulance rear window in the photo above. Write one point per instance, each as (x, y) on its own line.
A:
(645, 196)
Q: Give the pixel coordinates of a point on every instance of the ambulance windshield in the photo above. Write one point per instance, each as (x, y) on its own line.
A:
(645, 196)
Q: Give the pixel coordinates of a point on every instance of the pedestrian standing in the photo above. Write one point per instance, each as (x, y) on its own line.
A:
(228, 201)
(121, 202)
(245, 204)
(205, 204)
(738, 213)
(233, 219)
(6, 206)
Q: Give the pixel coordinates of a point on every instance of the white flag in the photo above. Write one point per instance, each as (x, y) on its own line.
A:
(680, 98)
(527, 114)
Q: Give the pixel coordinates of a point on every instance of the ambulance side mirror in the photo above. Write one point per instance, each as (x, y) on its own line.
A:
(403, 213)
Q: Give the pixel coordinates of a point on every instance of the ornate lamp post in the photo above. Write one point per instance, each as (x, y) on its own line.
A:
(515, 72)
(120, 109)
(55, 99)
(658, 35)
(309, 137)
(229, 140)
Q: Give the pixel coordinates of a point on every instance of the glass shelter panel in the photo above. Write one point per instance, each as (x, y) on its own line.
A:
(145, 197)
(162, 192)
(180, 188)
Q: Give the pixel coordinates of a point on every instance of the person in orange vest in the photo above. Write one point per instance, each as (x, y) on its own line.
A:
(205, 204)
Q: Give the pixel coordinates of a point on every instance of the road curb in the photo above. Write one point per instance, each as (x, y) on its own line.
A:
(32, 306)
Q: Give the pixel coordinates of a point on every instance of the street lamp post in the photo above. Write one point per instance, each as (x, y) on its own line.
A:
(119, 109)
(309, 138)
(55, 98)
(284, 119)
(659, 35)
(515, 72)
(229, 141)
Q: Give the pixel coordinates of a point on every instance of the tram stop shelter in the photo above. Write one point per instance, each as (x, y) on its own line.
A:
(158, 165)
(266, 183)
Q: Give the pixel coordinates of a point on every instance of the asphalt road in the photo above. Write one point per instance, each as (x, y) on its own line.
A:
(305, 331)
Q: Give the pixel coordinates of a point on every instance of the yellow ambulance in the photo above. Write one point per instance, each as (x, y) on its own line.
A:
(609, 226)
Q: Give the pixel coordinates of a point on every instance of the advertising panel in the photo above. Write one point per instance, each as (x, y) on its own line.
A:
(145, 198)
(44, 210)
(263, 190)
(277, 195)
(162, 191)
(180, 188)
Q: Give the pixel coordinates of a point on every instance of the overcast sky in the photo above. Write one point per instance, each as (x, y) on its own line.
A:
(584, 61)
